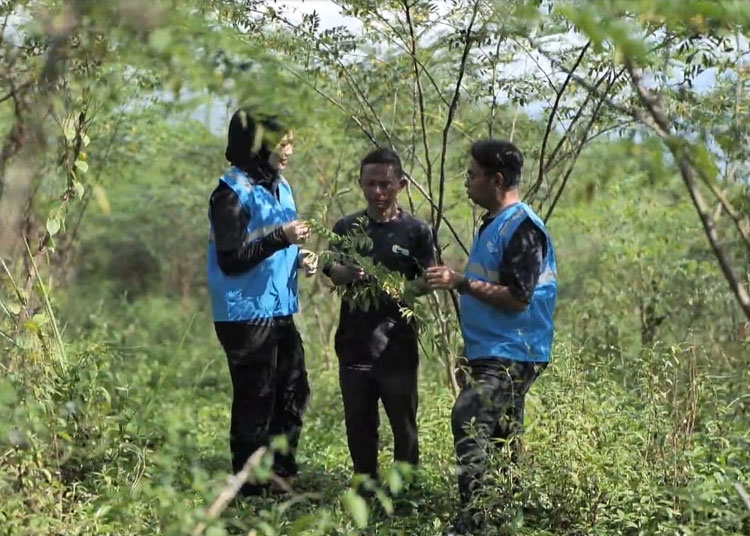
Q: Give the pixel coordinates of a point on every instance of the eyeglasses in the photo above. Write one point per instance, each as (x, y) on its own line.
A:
(470, 175)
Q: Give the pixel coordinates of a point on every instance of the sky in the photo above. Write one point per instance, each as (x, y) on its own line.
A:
(331, 16)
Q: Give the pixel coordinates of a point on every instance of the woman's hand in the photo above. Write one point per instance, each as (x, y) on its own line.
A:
(296, 232)
(308, 262)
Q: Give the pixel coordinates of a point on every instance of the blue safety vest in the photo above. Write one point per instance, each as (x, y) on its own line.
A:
(489, 331)
(269, 289)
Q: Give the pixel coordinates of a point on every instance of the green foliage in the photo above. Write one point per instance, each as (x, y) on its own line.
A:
(379, 282)
(637, 268)
(114, 395)
(148, 459)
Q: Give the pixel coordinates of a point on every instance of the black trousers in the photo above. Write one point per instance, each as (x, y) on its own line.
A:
(362, 385)
(488, 413)
(270, 388)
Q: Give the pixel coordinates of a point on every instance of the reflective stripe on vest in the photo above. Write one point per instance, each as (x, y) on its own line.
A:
(477, 270)
(548, 276)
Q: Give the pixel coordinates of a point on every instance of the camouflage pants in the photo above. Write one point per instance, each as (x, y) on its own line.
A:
(488, 412)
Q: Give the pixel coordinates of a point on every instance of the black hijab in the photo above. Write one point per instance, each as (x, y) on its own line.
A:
(241, 140)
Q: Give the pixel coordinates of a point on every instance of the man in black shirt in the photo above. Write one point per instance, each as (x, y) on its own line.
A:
(378, 348)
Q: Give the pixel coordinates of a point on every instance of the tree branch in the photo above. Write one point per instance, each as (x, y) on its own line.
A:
(654, 107)
(635, 113)
(449, 120)
(536, 62)
(567, 154)
(420, 100)
(336, 103)
(551, 118)
(493, 106)
(743, 494)
(230, 491)
(434, 206)
(408, 48)
(548, 166)
(5, 24)
(348, 75)
(11, 94)
(724, 203)
(577, 153)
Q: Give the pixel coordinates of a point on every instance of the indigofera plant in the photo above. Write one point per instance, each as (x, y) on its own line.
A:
(379, 282)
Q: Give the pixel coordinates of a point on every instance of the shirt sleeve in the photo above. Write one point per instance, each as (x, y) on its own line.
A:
(522, 260)
(235, 253)
(339, 228)
(425, 251)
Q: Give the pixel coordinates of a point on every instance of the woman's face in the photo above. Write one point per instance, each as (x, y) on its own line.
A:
(280, 156)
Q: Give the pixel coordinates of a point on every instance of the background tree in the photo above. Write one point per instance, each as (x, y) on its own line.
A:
(113, 397)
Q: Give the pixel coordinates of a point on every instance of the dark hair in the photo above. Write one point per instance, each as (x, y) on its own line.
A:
(383, 155)
(244, 151)
(499, 156)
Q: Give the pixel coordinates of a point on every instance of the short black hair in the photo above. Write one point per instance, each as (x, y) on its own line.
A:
(499, 156)
(383, 155)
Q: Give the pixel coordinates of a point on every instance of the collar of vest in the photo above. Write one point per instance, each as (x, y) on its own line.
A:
(236, 173)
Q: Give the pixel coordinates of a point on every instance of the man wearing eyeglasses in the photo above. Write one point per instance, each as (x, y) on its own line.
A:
(508, 296)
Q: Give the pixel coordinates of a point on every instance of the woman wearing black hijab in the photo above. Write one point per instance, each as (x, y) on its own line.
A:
(253, 257)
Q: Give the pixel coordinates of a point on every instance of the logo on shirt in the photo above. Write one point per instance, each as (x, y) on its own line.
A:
(398, 249)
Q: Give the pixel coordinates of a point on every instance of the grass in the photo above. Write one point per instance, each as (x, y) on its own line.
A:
(133, 439)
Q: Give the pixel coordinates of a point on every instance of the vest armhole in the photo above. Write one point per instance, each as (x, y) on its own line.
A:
(541, 229)
(243, 198)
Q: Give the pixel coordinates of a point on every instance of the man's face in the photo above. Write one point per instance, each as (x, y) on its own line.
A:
(280, 156)
(480, 186)
(380, 185)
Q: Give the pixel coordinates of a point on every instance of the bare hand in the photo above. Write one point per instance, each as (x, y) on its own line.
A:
(342, 274)
(296, 232)
(442, 277)
(308, 262)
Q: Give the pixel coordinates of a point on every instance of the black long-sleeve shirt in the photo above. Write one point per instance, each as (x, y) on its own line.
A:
(404, 245)
(237, 254)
